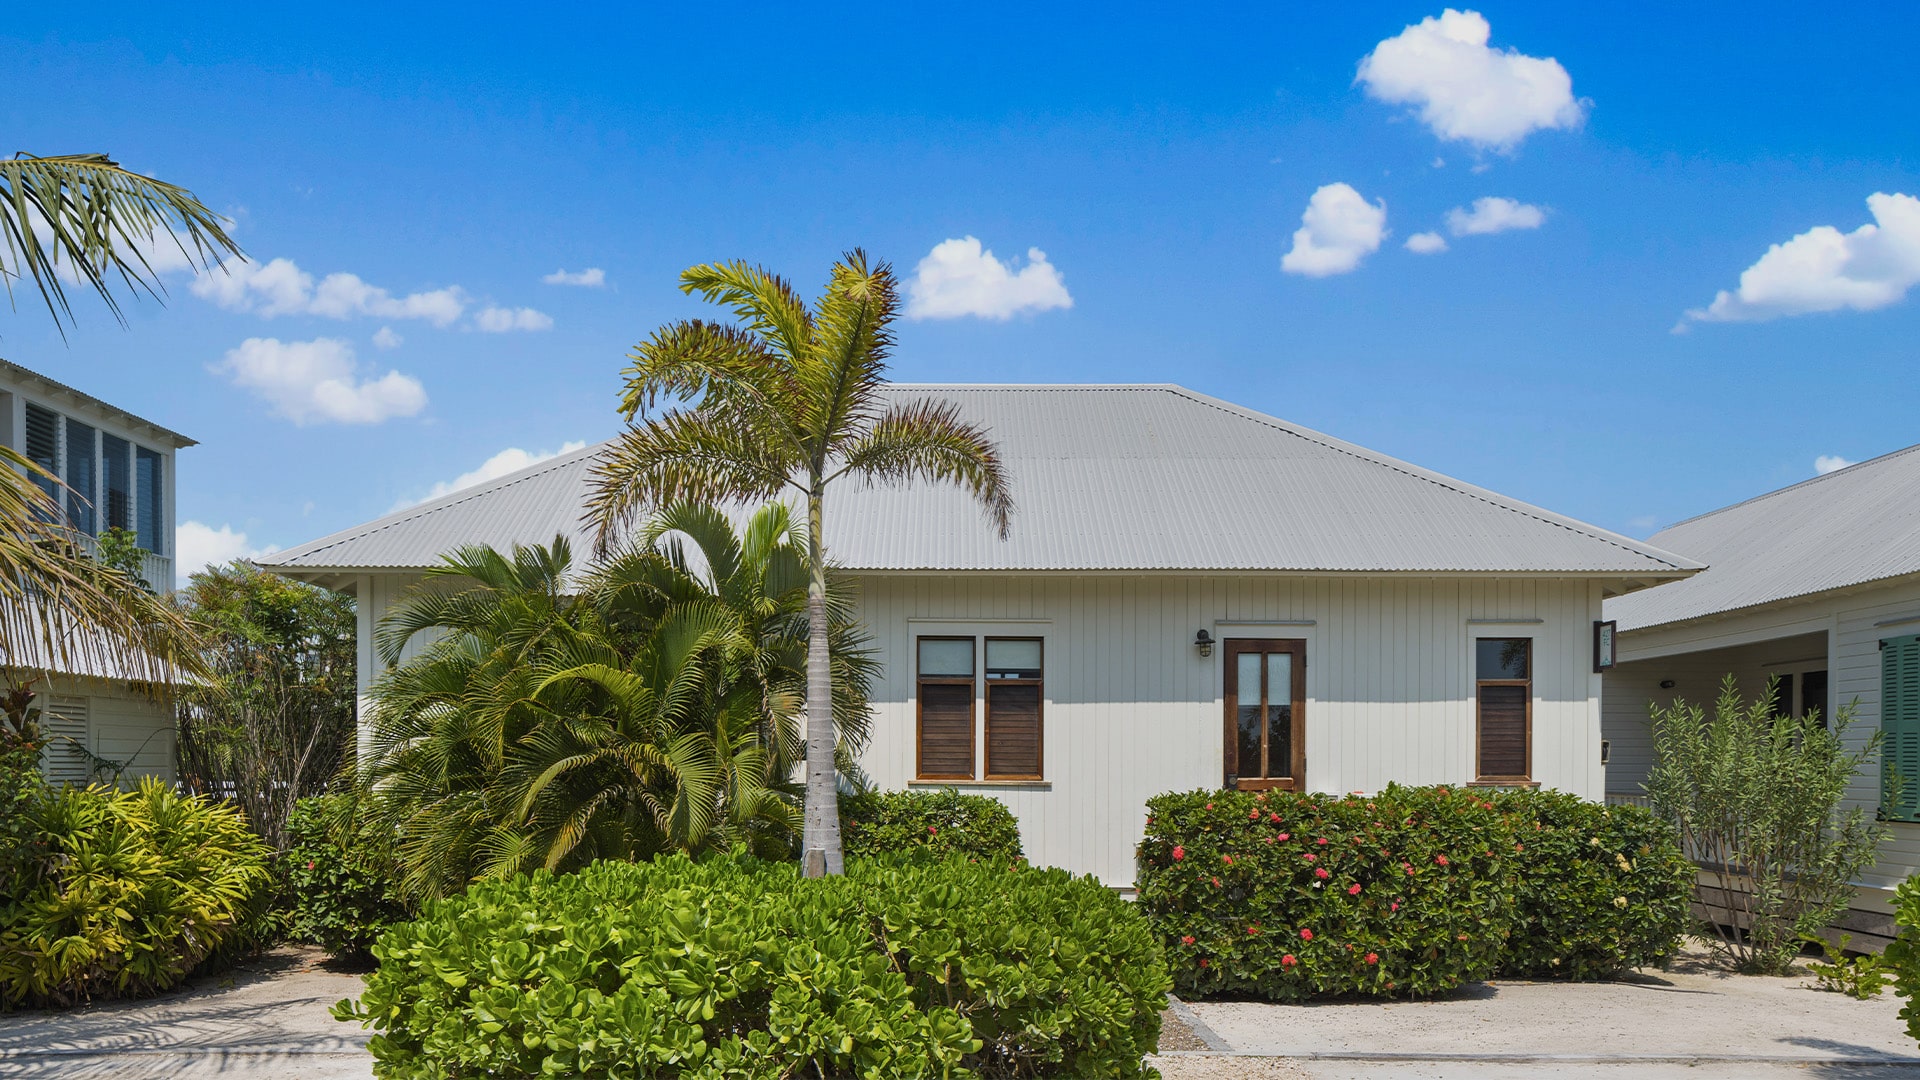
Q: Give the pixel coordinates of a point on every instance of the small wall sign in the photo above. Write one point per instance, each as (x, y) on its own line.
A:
(1603, 633)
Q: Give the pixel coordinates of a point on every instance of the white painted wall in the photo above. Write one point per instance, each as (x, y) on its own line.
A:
(112, 722)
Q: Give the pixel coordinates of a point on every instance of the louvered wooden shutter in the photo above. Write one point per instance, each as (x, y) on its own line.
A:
(1900, 727)
(1013, 729)
(63, 723)
(1503, 729)
(946, 730)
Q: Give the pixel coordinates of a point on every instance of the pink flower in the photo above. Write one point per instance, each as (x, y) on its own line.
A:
(1253, 929)
(1273, 819)
(1354, 890)
(1395, 906)
(1306, 935)
(1310, 856)
(309, 864)
(1186, 939)
(1373, 958)
(1209, 806)
(1321, 873)
(1179, 853)
(1441, 859)
(1253, 815)
(1322, 840)
(1284, 837)
(1216, 883)
(931, 831)
(1228, 859)
(1288, 960)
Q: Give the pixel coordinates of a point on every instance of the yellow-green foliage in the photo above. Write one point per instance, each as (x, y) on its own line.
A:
(128, 892)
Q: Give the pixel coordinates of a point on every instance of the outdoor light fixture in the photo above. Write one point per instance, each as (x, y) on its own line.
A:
(1204, 642)
(1666, 684)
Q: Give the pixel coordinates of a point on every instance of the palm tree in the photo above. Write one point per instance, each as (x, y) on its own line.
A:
(786, 400)
(84, 214)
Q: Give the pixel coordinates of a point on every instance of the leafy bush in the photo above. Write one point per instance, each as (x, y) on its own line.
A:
(1291, 896)
(340, 876)
(1599, 889)
(932, 824)
(133, 889)
(1757, 797)
(1860, 977)
(737, 968)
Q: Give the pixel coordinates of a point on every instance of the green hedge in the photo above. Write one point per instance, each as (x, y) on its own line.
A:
(1600, 889)
(738, 968)
(933, 824)
(129, 891)
(339, 875)
(1903, 955)
(1410, 892)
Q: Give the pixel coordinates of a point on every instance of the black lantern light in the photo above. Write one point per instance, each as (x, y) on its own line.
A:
(1204, 642)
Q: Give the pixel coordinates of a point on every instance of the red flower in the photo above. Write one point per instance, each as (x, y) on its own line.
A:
(1321, 873)
(1354, 890)
(1288, 960)
(1284, 837)
(1443, 791)
(1463, 937)
(1209, 806)
(1273, 819)
(1253, 929)
(1309, 856)
(1373, 958)
(1179, 853)
(1216, 883)
(1306, 935)
(1519, 847)
(1253, 815)
(1186, 939)
(931, 831)
(1203, 961)
(1441, 859)
(1396, 906)
(1322, 840)
(1228, 859)
(309, 864)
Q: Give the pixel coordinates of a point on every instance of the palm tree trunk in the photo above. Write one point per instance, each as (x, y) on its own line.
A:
(820, 838)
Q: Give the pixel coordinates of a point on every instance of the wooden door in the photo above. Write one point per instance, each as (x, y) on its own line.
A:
(1266, 713)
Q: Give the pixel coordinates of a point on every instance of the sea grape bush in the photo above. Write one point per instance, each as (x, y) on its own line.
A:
(1409, 892)
(731, 967)
(929, 825)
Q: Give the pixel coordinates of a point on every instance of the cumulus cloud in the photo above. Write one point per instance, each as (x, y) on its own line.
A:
(280, 287)
(1493, 214)
(1827, 463)
(591, 278)
(385, 338)
(510, 460)
(499, 320)
(960, 278)
(1426, 243)
(1442, 69)
(318, 381)
(1337, 231)
(1824, 269)
(197, 546)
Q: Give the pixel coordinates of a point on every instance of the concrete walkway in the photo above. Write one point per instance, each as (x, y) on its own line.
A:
(267, 1020)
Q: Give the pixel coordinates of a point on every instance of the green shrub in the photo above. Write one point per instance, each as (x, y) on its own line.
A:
(1290, 896)
(133, 890)
(1599, 889)
(737, 968)
(340, 876)
(933, 824)
(1902, 957)
(1860, 977)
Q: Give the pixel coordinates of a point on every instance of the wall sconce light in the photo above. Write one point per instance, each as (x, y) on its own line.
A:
(1666, 684)
(1204, 642)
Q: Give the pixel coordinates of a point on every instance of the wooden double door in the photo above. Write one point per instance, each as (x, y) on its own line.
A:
(1266, 707)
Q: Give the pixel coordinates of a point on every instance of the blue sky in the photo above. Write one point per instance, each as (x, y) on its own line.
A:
(451, 158)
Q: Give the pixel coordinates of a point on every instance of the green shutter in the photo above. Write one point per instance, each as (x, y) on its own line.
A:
(1900, 727)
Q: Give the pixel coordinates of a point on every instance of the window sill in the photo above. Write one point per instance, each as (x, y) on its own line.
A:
(1504, 783)
(1039, 784)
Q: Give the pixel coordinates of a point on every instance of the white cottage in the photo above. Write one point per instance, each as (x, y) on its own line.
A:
(118, 472)
(1193, 594)
(1817, 584)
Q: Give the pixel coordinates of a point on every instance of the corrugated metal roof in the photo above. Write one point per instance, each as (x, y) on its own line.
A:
(55, 391)
(1135, 478)
(1850, 527)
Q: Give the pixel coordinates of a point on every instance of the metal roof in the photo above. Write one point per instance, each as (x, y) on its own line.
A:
(1847, 528)
(1105, 478)
(53, 390)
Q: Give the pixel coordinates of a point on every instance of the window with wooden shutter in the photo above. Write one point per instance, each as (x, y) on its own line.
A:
(1014, 694)
(1503, 692)
(946, 692)
(1900, 728)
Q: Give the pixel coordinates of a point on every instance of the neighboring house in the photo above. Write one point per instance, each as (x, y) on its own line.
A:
(1819, 585)
(118, 472)
(1192, 594)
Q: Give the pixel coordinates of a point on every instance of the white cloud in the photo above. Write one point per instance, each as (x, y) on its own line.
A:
(280, 287)
(960, 277)
(1426, 243)
(499, 320)
(1824, 269)
(1465, 91)
(1827, 463)
(1337, 231)
(197, 546)
(591, 278)
(317, 381)
(385, 338)
(1494, 214)
(510, 460)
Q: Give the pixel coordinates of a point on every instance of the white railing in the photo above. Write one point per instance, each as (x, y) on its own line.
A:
(157, 570)
(1628, 798)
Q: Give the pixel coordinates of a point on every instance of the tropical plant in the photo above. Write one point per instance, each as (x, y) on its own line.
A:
(638, 707)
(1757, 797)
(786, 401)
(338, 875)
(273, 721)
(1862, 976)
(84, 217)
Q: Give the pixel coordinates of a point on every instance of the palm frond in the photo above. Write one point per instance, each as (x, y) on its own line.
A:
(760, 299)
(681, 457)
(929, 440)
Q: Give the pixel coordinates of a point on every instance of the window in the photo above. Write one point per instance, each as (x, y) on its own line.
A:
(1900, 728)
(43, 444)
(1265, 692)
(946, 708)
(149, 485)
(1813, 694)
(80, 478)
(1503, 689)
(1014, 687)
(116, 476)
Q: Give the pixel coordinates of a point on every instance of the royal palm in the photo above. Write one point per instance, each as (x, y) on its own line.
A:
(786, 400)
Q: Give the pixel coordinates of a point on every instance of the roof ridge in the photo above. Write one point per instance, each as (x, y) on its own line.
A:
(1796, 485)
(1442, 480)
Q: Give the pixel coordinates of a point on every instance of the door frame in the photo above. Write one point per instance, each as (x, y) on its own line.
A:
(1231, 649)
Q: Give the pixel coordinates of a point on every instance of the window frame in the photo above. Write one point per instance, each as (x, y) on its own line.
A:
(1231, 650)
(971, 682)
(1481, 776)
(987, 684)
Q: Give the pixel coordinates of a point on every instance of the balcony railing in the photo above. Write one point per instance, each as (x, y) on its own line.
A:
(155, 570)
